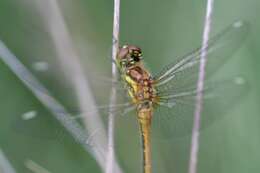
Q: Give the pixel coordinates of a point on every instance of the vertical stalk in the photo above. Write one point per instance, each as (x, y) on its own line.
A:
(110, 159)
(200, 86)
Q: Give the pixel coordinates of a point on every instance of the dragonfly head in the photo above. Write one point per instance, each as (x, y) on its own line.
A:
(129, 55)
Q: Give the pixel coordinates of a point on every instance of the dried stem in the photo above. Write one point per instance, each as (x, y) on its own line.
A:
(35, 167)
(200, 86)
(5, 165)
(110, 160)
(44, 96)
(69, 60)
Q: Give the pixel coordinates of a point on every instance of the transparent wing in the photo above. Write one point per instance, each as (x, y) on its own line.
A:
(182, 74)
(173, 116)
(176, 85)
(39, 124)
(48, 128)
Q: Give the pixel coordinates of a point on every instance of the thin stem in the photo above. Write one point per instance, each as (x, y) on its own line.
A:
(110, 160)
(35, 167)
(70, 62)
(5, 165)
(44, 96)
(200, 87)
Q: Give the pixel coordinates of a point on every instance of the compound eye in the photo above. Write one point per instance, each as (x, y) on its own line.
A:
(136, 58)
(137, 52)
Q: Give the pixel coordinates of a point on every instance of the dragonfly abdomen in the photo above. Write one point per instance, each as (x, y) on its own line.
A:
(144, 115)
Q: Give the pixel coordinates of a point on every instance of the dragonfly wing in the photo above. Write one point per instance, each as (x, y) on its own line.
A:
(41, 125)
(183, 73)
(38, 125)
(174, 115)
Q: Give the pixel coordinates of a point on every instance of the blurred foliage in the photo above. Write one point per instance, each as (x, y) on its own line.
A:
(164, 30)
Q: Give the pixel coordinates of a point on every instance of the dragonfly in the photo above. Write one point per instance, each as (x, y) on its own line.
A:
(147, 92)
(163, 102)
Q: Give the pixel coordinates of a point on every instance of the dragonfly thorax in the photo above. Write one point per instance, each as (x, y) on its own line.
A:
(138, 79)
(140, 85)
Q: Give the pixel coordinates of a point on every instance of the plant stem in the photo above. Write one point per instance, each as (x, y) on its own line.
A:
(200, 87)
(110, 159)
(5, 165)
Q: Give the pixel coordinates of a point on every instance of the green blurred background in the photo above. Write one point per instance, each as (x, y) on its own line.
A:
(164, 30)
